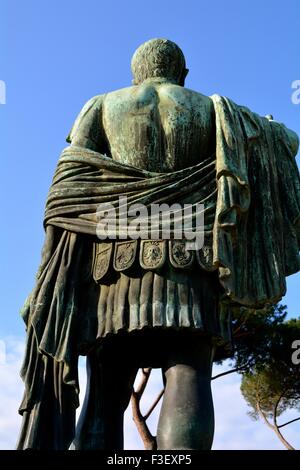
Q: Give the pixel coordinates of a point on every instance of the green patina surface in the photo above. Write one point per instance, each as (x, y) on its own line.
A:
(155, 141)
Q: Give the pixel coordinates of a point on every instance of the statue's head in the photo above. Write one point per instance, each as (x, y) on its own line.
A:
(159, 58)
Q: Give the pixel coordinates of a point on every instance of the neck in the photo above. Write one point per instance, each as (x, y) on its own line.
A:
(159, 80)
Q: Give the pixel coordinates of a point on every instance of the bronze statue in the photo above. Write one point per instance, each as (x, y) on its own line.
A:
(129, 303)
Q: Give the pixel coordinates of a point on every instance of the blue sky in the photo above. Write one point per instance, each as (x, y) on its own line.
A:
(56, 55)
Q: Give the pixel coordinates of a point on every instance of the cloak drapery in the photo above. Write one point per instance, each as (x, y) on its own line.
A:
(251, 195)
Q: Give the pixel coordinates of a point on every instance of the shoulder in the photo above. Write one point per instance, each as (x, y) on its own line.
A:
(92, 104)
(186, 95)
(120, 92)
(127, 100)
(90, 108)
(86, 117)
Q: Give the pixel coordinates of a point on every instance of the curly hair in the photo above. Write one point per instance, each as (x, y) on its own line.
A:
(158, 58)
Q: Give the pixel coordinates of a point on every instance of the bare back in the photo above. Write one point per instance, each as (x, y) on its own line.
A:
(158, 126)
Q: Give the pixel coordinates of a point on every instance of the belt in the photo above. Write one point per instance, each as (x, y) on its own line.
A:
(121, 256)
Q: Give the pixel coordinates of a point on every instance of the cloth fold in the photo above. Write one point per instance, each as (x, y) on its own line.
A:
(257, 224)
(251, 195)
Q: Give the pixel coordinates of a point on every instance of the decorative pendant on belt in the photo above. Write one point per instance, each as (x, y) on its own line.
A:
(205, 258)
(180, 257)
(103, 252)
(124, 255)
(152, 254)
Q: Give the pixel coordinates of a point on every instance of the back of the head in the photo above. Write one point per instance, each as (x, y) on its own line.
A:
(159, 58)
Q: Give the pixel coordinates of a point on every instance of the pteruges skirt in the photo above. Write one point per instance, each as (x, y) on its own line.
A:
(145, 301)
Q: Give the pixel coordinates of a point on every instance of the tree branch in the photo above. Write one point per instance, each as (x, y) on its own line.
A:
(276, 428)
(149, 441)
(146, 416)
(142, 385)
(237, 369)
(139, 420)
(289, 422)
(262, 415)
(242, 323)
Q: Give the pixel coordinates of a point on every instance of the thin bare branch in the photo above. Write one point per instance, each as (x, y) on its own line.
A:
(262, 415)
(289, 422)
(237, 369)
(243, 322)
(154, 404)
(144, 380)
(149, 441)
(276, 428)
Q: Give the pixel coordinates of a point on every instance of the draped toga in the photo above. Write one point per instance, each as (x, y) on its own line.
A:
(250, 192)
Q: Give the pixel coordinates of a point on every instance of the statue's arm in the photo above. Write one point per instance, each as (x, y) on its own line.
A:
(87, 131)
